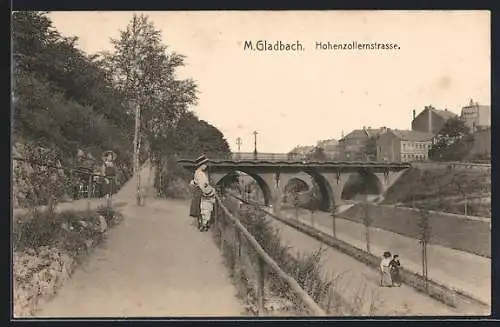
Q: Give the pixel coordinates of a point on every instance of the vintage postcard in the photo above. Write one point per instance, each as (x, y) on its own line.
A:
(251, 163)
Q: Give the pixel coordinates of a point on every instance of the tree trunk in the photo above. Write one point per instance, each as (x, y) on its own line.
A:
(334, 227)
(465, 207)
(424, 264)
(426, 270)
(136, 151)
(367, 237)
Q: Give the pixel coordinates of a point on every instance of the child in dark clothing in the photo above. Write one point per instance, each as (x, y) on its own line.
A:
(395, 266)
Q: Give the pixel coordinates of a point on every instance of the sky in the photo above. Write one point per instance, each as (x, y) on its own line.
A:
(300, 97)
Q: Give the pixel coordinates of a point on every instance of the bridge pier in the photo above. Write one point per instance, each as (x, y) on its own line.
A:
(336, 181)
(273, 182)
(387, 179)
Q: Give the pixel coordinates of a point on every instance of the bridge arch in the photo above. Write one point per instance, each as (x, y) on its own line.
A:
(360, 183)
(312, 180)
(220, 178)
(327, 198)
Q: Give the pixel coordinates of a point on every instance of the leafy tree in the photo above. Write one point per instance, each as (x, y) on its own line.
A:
(192, 137)
(318, 154)
(62, 99)
(453, 142)
(143, 71)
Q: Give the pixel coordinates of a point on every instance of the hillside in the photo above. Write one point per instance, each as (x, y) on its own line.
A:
(63, 102)
(443, 190)
(67, 102)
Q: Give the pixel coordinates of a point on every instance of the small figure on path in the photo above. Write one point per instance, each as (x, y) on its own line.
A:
(395, 266)
(109, 172)
(206, 195)
(385, 273)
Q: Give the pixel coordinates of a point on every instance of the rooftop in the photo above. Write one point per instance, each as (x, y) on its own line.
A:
(364, 132)
(445, 114)
(406, 135)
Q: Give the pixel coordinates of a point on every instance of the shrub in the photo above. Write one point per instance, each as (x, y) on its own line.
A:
(171, 180)
(35, 184)
(47, 248)
(305, 268)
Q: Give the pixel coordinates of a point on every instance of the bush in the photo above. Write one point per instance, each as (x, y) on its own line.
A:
(34, 184)
(171, 180)
(48, 247)
(306, 269)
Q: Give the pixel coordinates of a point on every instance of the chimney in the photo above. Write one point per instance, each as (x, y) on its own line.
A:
(414, 114)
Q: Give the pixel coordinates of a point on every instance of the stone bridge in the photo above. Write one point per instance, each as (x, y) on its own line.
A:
(272, 176)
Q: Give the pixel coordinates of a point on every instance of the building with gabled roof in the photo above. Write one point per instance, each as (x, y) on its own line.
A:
(353, 145)
(431, 120)
(403, 145)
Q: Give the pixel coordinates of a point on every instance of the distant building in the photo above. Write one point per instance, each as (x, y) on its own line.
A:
(430, 120)
(353, 145)
(403, 145)
(330, 148)
(301, 151)
(476, 116)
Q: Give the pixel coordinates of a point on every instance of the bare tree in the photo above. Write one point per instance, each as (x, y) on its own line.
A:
(367, 221)
(424, 238)
(334, 225)
(424, 231)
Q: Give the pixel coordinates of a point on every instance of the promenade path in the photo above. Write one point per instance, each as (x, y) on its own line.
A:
(466, 272)
(155, 263)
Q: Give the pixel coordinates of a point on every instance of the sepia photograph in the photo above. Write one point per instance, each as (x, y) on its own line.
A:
(182, 164)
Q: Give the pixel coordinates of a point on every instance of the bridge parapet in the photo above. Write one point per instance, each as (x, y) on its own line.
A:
(284, 160)
(271, 157)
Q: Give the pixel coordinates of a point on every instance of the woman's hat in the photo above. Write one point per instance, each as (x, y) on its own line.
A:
(200, 161)
(108, 152)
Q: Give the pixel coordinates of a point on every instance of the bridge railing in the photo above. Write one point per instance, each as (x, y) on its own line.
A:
(250, 156)
(246, 251)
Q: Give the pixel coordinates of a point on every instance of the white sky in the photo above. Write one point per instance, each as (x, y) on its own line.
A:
(299, 98)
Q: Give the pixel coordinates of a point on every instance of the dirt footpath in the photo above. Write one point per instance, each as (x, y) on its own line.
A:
(155, 263)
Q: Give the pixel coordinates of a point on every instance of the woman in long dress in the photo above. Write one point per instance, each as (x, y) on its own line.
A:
(385, 272)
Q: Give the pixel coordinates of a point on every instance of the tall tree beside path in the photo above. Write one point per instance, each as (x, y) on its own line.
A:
(143, 70)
